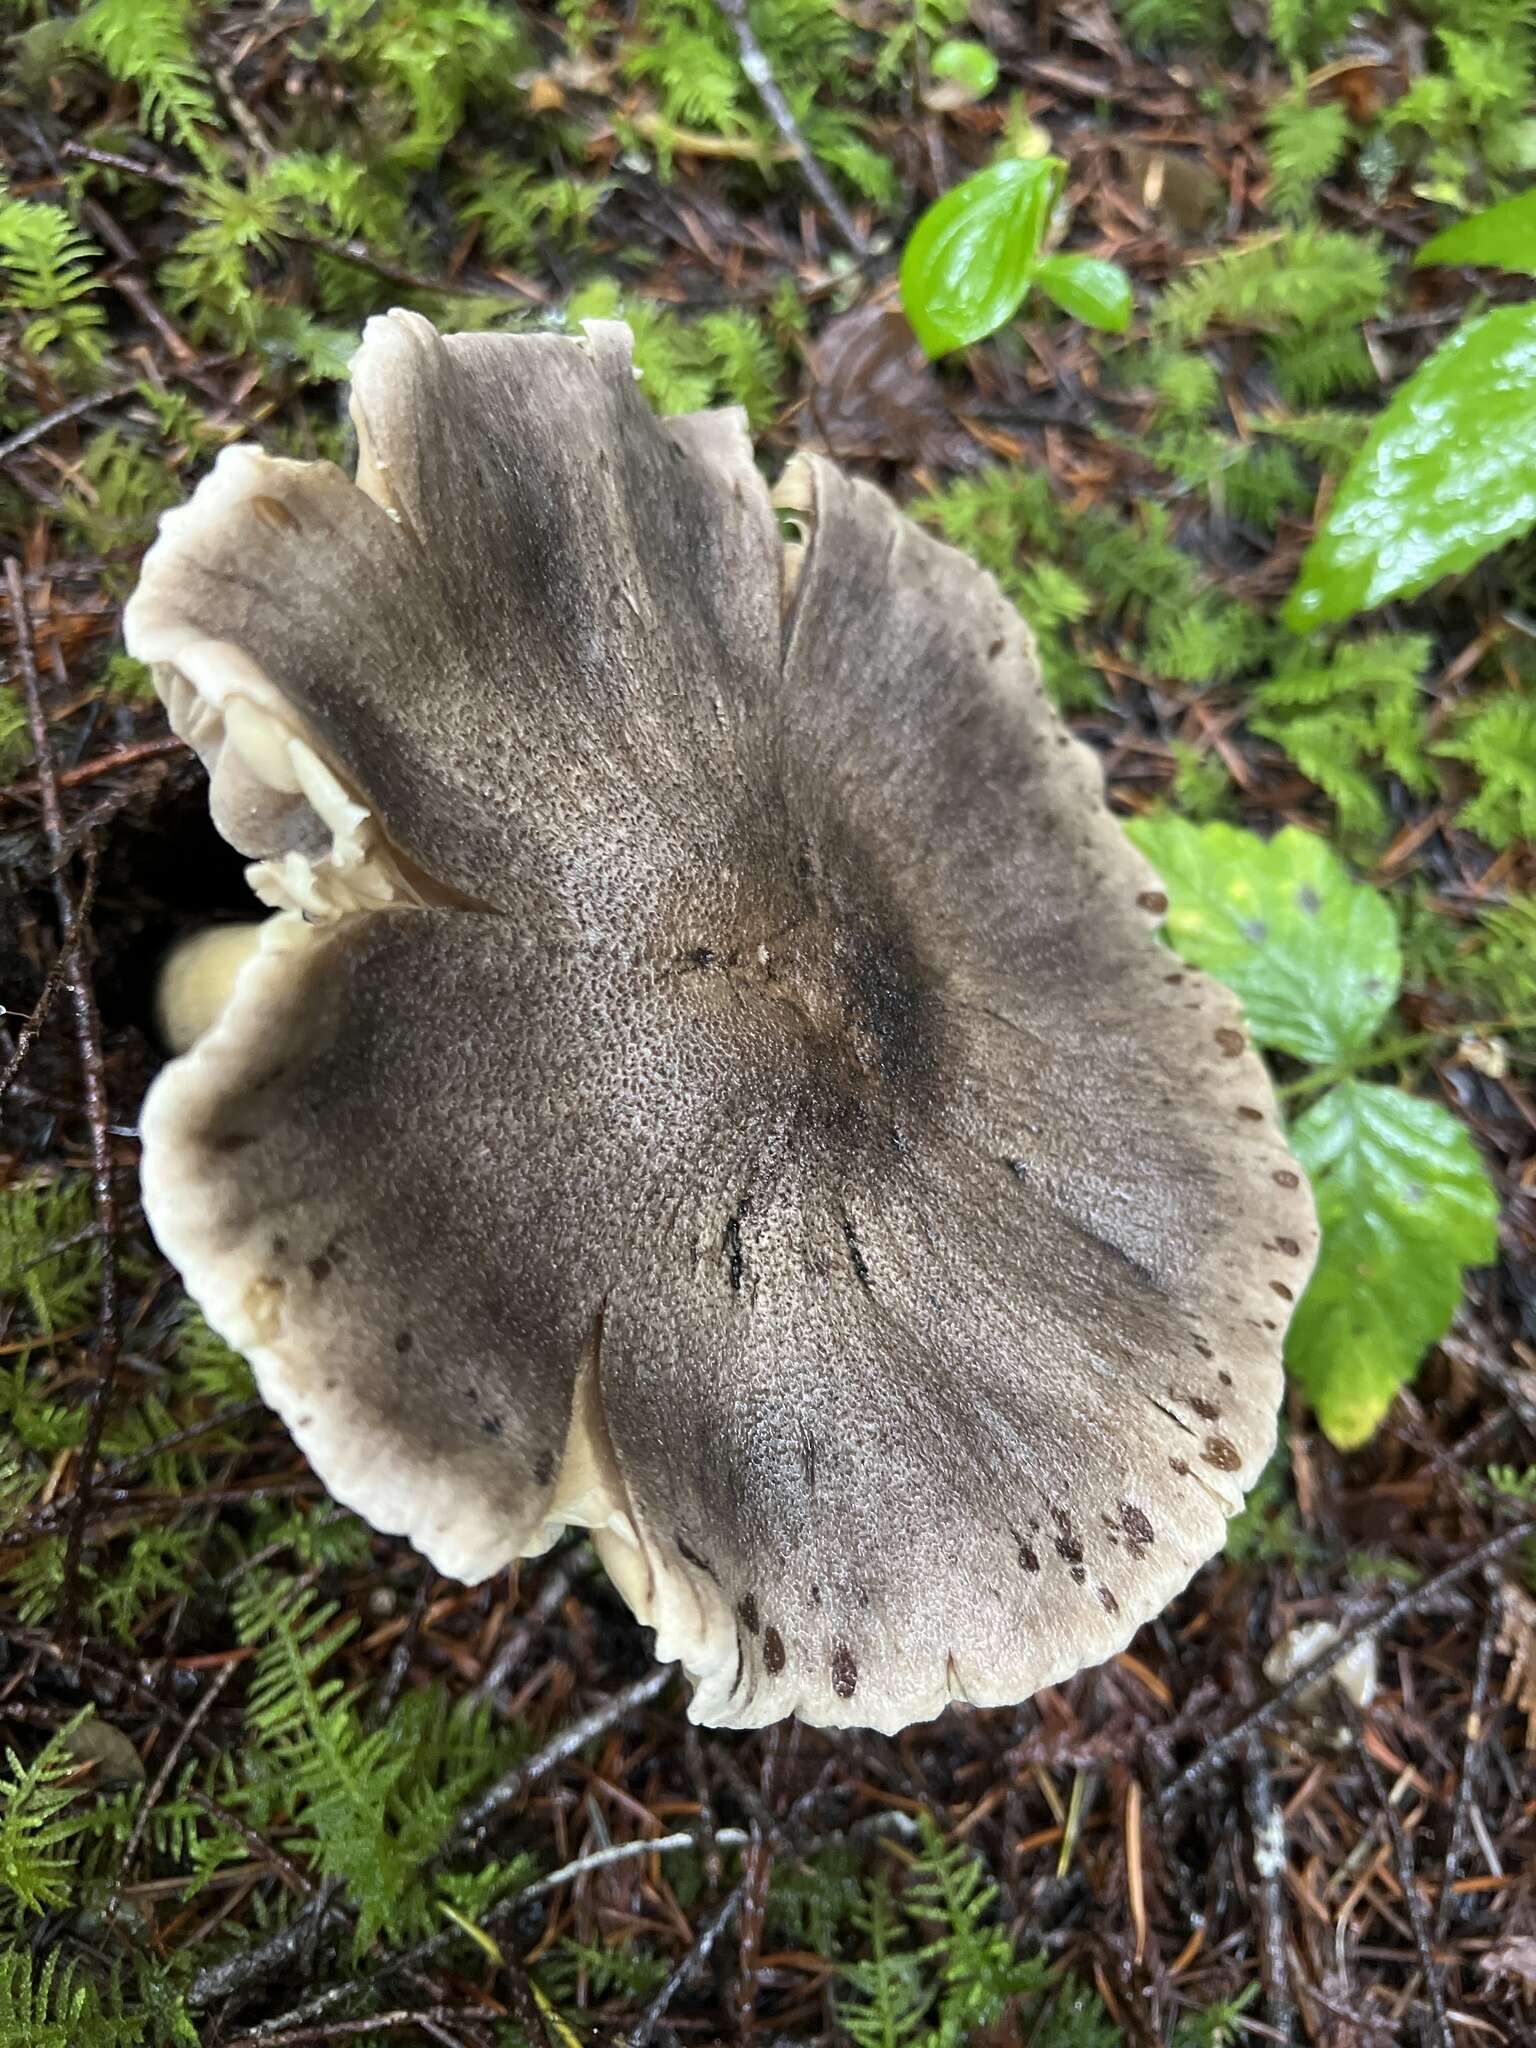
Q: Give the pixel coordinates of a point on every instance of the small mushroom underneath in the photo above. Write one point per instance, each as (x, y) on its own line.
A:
(713, 1078)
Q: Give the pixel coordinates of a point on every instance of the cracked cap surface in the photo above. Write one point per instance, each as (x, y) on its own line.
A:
(715, 1079)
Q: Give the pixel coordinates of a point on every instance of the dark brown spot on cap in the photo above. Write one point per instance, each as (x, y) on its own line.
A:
(815, 1596)
(1107, 1600)
(1250, 1116)
(746, 1607)
(231, 1141)
(319, 1270)
(1174, 980)
(773, 1652)
(845, 1672)
(1178, 1465)
(1279, 1287)
(1079, 1573)
(543, 1468)
(1289, 1246)
(1230, 1041)
(1153, 900)
(1203, 1348)
(994, 650)
(275, 515)
(403, 1341)
(1223, 1455)
(1284, 1178)
(1029, 1558)
(1134, 1520)
(1225, 1378)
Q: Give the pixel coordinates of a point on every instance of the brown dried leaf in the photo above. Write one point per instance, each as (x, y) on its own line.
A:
(874, 393)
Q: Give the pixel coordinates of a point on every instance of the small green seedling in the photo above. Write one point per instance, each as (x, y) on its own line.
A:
(975, 253)
(1403, 1197)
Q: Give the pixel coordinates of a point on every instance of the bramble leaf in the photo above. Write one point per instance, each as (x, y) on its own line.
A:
(1502, 237)
(1405, 1203)
(1091, 290)
(1313, 956)
(970, 258)
(1445, 475)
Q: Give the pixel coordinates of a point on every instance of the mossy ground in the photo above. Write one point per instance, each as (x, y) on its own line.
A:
(246, 1731)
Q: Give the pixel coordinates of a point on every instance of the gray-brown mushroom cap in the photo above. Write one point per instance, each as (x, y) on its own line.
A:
(716, 1080)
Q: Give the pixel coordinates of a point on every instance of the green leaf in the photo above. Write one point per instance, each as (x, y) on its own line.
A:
(1502, 237)
(1404, 1203)
(1091, 290)
(969, 65)
(1446, 475)
(970, 258)
(1313, 956)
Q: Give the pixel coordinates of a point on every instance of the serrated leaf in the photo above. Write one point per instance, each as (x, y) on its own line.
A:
(1313, 957)
(1445, 476)
(1502, 237)
(1405, 1205)
(966, 64)
(1091, 290)
(968, 263)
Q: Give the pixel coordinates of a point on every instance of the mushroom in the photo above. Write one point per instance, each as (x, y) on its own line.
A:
(713, 1078)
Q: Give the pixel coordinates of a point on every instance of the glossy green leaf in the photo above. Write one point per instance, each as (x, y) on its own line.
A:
(1313, 957)
(1405, 1205)
(1502, 238)
(969, 65)
(972, 254)
(1091, 290)
(1446, 474)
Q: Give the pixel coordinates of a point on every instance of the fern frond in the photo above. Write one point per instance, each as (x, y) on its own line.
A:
(48, 267)
(147, 44)
(1306, 144)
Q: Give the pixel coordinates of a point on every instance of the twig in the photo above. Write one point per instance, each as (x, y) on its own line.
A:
(1221, 1747)
(759, 71)
(348, 2030)
(470, 1828)
(1268, 1824)
(25, 436)
(625, 1852)
(1466, 1779)
(38, 1015)
(94, 1090)
(102, 764)
(1402, 1856)
(550, 1595)
(703, 1942)
(173, 1756)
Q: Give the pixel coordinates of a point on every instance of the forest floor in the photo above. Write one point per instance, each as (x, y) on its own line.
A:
(272, 1778)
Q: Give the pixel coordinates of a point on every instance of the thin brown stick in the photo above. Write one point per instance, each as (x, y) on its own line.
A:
(103, 764)
(759, 72)
(1439, 2030)
(94, 1090)
(1467, 1776)
(173, 1756)
(37, 1016)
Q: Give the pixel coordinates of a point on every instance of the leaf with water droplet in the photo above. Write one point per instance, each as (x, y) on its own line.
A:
(1445, 476)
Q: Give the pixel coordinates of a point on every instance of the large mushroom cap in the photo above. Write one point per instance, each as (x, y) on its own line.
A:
(724, 1088)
